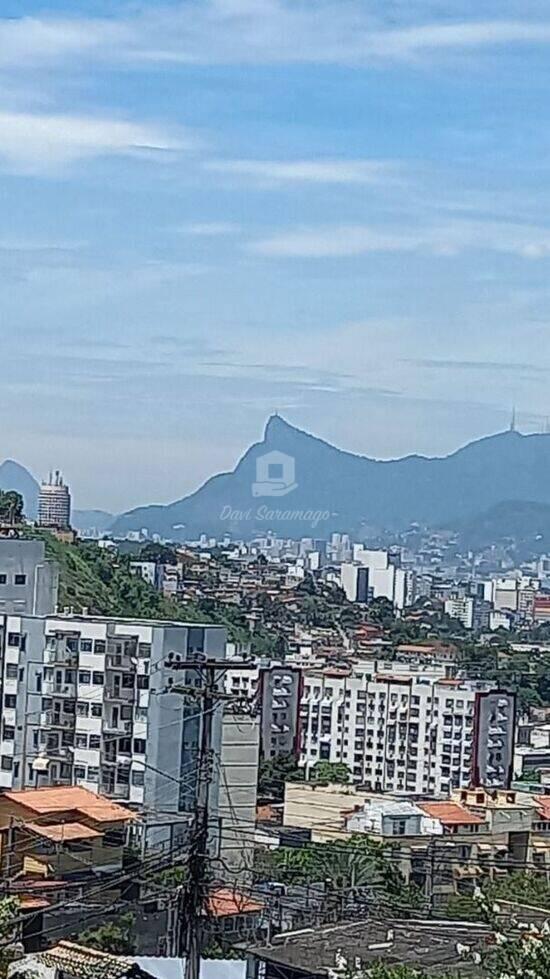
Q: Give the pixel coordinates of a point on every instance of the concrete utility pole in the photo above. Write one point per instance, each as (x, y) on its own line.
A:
(193, 894)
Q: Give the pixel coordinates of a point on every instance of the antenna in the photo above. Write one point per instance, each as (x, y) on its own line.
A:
(513, 420)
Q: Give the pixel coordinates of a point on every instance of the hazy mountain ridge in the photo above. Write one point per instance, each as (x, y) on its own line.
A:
(352, 491)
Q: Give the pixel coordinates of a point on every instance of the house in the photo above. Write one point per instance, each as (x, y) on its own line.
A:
(54, 842)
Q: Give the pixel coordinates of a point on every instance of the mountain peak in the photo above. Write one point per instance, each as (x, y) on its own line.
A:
(276, 426)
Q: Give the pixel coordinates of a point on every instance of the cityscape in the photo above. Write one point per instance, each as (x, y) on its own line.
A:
(274, 490)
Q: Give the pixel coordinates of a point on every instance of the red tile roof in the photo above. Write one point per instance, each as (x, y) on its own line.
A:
(68, 798)
(543, 805)
(451, 813)
(63, 832)
(226, 902)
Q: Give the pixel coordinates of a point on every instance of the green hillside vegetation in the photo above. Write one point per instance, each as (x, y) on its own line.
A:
(101, 581)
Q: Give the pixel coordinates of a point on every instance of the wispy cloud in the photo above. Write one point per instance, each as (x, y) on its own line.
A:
(262, 31)
(483, 366)
(309, 171)
(37, 143)
(208, 229)
(450, 239)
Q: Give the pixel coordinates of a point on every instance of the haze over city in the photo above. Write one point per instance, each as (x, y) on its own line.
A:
(213, 211)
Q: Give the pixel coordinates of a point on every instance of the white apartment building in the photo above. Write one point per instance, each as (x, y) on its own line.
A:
(86, 701)
(54, 502)
(407, 731)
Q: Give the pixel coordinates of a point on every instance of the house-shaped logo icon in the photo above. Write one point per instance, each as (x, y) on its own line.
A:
(275, 474)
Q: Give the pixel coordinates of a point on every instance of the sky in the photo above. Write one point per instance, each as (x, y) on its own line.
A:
(212, 210)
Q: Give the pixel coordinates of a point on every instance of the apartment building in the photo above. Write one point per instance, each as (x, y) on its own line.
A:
(407, 731)
(275, 688)
(28, 580)
(87, 701)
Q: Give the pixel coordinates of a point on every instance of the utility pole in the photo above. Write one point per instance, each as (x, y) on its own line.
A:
(192, 895)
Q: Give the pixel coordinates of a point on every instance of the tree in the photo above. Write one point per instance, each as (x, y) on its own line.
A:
(329, 771)
(159, 553)
(274, 772)
(9, 952)
(116, 937)
(11, 507)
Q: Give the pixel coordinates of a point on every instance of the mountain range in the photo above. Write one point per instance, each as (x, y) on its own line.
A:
(327, 489)
(298, 485)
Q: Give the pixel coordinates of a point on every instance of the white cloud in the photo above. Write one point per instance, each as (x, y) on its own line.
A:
(37, 143)
(349, 240)
(208, 229)
(264, 31)
(308, 171)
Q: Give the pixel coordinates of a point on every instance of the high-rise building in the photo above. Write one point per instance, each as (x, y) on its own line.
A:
(417, 733)
(86, 701)
(54, 503)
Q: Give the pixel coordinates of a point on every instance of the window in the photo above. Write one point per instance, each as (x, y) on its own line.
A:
(14, 639)
(95, 741)
(8, 732)
(99, 646)
(11, 671)
(144, 650)
(127, 680)
(84, 676)
(86, 645)
(20, 579)
(80, 771)
(6, 764)
(97, 710)
(138, 778)
(143, 682)
(10, 700)
(70, 676)
(139, 746)
(82, 708)
(81, 741)
(3, 579)
(93, 773)
(98, 678)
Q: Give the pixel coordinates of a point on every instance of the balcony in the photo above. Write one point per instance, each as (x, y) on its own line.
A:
(121, 727)
(61, 752)
(126, 695)
(52, 718)
(59, 655)
(51, 688)
(120, 661)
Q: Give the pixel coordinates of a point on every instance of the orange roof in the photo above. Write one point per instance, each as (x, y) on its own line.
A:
(27, 902)
(66, 798)
(62, 832)
(225, 902)
(450, 813)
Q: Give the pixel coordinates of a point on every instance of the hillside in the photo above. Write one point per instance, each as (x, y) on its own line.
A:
(350, 492)
(525, 525)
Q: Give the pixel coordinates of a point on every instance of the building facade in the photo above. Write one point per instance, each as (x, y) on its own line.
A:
(86, 701)
(415, 732)
(275, 689)
(54, 503)
(28, 581)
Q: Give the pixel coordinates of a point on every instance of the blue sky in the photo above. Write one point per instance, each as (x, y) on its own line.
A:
(216, 209)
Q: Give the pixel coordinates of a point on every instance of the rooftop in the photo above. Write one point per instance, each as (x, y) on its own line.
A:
(226, 902)
(421, 944)
(451, 813)
(90, 963)
(63, 832)
(68, 798)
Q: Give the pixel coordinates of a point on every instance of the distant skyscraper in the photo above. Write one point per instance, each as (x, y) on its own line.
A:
(54, 503)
